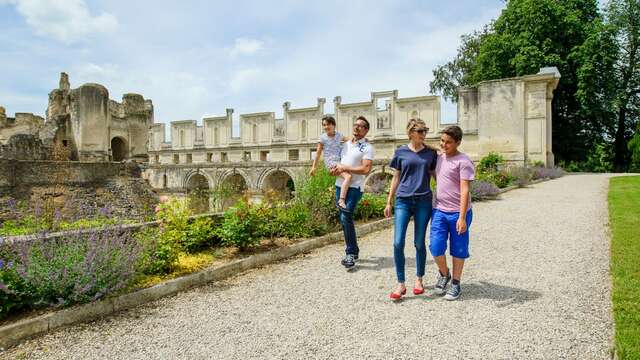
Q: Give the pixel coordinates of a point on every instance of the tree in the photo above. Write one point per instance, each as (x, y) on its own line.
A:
(623, 16)
(528, 35)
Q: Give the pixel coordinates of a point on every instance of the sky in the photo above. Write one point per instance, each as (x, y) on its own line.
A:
(196, 58)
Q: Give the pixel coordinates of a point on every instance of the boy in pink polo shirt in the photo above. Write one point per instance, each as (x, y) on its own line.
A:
(454, 173)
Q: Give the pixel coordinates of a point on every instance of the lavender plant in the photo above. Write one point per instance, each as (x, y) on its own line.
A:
(481, 190)
(77, 268)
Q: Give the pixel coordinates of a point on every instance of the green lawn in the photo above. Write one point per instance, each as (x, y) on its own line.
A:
(624, 216)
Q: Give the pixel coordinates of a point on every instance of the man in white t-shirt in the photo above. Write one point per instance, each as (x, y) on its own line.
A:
(357, 157)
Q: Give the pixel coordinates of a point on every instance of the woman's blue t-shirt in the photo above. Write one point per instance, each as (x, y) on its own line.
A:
(414, 170)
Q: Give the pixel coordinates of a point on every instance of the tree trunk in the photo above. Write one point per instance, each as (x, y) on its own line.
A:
(620, 143)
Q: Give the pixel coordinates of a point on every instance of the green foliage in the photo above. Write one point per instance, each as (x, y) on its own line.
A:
(15, 293)
(528, 35)
(624, 207)
(501, 179)
(634, 148)
(158, 254)
(239, 226)
(490, 163)
(174, 218)
(371, 206)
(318, 194)
(200, 235)
(600, 159)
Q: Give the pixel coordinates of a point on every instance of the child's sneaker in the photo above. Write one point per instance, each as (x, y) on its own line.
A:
(441, 284)
(454, 292)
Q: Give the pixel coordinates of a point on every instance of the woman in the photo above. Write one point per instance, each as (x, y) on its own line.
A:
(413, 166)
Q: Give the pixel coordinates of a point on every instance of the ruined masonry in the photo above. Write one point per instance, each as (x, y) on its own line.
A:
(508, 116)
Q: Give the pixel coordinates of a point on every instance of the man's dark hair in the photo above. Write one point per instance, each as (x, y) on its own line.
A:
(366, 122)
(329, 119)
(454, 131)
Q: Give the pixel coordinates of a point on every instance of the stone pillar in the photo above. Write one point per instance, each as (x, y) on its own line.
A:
(64, 82)
(3, 117)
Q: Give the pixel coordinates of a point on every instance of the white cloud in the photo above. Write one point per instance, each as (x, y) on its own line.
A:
(241, 79)
(246, 46)
(67, 21)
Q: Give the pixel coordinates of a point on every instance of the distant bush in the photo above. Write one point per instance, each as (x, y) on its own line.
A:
(490, 163)
(200, 235)
(482, 190)
(239, 226)
(371, 206)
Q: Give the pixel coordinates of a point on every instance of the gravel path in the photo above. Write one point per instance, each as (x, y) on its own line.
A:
(537, 286)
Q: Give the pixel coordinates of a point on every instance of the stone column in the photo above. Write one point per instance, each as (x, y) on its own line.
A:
(3, 117)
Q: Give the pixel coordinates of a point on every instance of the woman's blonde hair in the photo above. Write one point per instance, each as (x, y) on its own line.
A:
(416, 123)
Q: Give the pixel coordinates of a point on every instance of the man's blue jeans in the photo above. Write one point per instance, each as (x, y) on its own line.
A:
(405, 207)
(346, 219)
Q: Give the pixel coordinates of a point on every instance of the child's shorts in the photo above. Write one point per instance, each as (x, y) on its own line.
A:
(443, 229)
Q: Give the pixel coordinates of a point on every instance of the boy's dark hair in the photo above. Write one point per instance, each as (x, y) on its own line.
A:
(454, 131)
(329, 119)
(366, 122)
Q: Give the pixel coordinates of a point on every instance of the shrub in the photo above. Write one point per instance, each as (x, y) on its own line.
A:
(371, 207)
(74, 269)
(200, 234)
(239, 227)
(501, 179)
(14, 292)
(158, 253)
(317, 193)
(490, 163)
(481, 190)
(547, 173)
(294, 221)
(520, 176)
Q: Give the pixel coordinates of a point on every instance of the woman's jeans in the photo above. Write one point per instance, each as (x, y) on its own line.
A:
(405, 207)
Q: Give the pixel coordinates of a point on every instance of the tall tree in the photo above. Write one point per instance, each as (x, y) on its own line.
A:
(528, 35)
(624, 18)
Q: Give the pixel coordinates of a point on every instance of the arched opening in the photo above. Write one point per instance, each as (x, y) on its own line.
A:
(228, 191)
(118, 149)
(198, 193)
(378, 183)
(278, 185)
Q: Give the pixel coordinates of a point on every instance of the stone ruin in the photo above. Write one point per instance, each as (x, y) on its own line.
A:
(80, 124)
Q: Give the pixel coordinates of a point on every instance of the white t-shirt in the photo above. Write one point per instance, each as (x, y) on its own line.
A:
(352, 155)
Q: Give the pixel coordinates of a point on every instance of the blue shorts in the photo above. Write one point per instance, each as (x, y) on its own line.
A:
(443, 229)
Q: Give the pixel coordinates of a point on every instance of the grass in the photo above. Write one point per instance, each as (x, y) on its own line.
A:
(624, 217)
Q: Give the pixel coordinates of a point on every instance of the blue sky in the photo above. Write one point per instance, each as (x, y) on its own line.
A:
(196, 58)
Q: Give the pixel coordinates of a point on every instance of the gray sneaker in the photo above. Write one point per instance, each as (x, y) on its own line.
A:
(441, 285)
(348, 261)
(454, 292)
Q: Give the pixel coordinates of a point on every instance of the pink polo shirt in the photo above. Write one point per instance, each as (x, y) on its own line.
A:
(449, 172)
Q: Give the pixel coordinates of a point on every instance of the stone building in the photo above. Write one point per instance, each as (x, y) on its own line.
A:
(82, 123)
(508, 116)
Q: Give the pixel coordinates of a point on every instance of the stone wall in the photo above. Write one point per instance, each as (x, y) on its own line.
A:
(508, 116)
(89, 186)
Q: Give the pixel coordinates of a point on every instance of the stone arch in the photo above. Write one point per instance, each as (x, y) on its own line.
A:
(230, 187)
(119, 149)
(278, 183)
(378, 180)
(197, 186)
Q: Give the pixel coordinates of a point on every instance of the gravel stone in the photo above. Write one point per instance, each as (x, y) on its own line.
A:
(536, 287)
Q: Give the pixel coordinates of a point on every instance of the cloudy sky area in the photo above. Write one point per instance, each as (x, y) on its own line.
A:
(196, 58)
